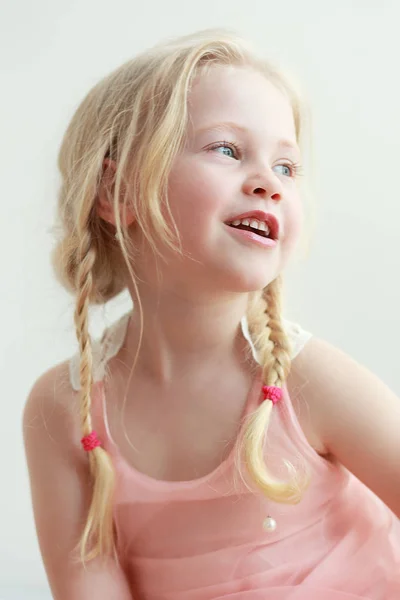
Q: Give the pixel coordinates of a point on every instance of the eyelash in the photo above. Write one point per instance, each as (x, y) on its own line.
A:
(296, 168)
(232, 145)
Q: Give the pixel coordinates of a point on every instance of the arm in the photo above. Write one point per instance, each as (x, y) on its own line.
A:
(355, 415)
(59, 478)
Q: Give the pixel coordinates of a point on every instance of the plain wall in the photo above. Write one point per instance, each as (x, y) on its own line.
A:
(345, 54)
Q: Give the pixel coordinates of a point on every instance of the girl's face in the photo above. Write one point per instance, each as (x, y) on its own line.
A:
(239, 162)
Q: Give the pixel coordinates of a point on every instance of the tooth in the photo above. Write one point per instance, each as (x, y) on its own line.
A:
(236, 223)
(254, 224)
(245, 222)
(262, 226)
(265, 228)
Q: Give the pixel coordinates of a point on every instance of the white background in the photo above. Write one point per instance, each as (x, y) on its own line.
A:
(346, 290)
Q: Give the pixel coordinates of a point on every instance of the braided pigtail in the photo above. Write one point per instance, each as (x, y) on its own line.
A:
(97, 537)
(273, 349)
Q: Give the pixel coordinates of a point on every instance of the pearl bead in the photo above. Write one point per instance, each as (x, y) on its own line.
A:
(269, 524)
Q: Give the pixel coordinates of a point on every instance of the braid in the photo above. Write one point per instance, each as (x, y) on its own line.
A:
(273, 349)
(97, 537)
(84, 285)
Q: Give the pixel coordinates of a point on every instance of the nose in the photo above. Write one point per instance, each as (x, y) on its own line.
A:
(264, 186)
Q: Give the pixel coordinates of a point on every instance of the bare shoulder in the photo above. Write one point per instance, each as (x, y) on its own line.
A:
(61, 490)
(51, 407)
(50, 395)
(53, 383)
(354, 415)
(57, 474)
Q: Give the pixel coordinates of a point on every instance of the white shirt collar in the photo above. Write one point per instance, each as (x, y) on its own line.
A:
(245, 330)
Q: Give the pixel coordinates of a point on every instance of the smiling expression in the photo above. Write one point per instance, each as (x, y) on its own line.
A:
(240, 161)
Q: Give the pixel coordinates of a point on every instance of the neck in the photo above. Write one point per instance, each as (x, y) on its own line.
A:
(182, 335)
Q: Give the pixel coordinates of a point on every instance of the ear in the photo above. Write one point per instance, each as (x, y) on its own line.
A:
(104, 200)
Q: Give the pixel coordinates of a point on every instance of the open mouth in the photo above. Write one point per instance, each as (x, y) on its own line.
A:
(266, 227)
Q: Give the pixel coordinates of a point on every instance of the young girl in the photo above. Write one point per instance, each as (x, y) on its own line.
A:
(203, 448)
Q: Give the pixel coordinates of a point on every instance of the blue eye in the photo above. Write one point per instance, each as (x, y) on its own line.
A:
(227, 149)
(287, 170)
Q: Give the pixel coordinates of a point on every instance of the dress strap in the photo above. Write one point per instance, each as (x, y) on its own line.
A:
(103, 350)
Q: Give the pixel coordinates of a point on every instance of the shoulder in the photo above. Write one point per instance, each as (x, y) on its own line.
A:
(61, 490)
(50, 416)
(356, 416)
(53, 387)
(335, 382)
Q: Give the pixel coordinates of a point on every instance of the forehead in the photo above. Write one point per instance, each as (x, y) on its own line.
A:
(243, 96)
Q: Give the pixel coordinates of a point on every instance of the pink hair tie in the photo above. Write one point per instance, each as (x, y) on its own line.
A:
(273, 393)
(90, 442)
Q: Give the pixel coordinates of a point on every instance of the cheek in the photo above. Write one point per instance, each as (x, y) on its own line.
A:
(294, 218)
(193, 194)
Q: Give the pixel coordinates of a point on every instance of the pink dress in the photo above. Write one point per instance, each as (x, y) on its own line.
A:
(204, 539)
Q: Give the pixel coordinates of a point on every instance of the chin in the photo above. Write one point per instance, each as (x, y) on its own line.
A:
(252, 271)
(249, 279)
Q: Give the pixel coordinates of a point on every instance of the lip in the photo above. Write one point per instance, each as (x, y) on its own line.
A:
(259, 215)
(249, 236)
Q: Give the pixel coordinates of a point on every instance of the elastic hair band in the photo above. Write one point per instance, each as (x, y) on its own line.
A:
(273, 393)
(90, 441)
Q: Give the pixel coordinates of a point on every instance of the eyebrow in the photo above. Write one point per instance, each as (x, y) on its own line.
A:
(283, 143)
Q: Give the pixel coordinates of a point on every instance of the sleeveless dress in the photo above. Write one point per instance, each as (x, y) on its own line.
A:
(204, 539)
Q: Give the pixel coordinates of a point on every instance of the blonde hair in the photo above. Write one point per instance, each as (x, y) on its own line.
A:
(137, 116)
